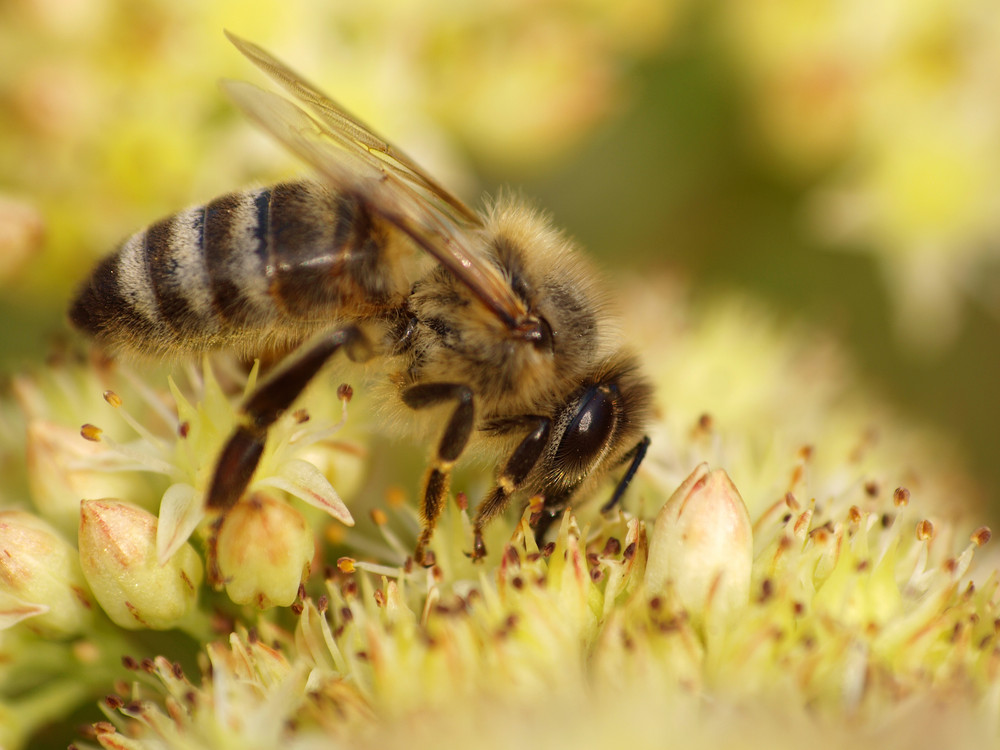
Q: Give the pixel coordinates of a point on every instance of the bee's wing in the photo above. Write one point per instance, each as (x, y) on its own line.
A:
(352, 158)
(382, 153)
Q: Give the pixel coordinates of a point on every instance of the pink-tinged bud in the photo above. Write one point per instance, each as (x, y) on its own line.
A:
(702, 547)
(40, 577)
(264, 547)
(118, 556)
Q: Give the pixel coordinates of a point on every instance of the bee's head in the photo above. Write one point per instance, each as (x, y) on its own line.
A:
(564, 322)
(559, 335)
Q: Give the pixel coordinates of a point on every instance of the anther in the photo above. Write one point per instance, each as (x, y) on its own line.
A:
(91, 432)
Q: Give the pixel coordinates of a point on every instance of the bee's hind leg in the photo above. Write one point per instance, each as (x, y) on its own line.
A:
(241, 453)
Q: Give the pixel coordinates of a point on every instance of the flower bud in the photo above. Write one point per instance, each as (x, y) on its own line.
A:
(263, 548)
(702, 547)
(118, 556)
(40, 577)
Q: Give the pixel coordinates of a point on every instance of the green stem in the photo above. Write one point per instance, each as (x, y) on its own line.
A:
(23, 717)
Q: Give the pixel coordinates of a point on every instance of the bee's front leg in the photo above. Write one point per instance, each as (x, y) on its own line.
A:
(511, 477)
(634, 457)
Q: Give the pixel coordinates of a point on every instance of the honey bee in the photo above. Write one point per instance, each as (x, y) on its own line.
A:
(489, 322)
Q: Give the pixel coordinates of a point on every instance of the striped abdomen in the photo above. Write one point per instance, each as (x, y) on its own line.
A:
(252, 269)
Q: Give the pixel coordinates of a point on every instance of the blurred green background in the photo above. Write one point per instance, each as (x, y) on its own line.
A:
(833, 161)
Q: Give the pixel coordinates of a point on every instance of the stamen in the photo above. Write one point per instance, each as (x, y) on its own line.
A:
(380, 570)
(116, 401)
(139, 461)
(151, 399)
(401, 550)
(309, 435)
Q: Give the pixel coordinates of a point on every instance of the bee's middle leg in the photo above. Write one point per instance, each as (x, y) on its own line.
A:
(450, 447)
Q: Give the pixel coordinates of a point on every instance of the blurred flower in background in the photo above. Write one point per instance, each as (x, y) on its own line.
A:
(892, 108)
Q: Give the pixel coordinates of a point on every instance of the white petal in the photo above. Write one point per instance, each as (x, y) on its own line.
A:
(305, 481)
(181, 509)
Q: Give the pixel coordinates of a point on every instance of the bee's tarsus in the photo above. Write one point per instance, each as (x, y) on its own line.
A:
(634, 457)
(424, 557)
(478, 546)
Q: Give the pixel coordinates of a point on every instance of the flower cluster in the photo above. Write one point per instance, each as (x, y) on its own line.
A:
(601, 633)
(752, 584)
(118, 536)
(791, 560)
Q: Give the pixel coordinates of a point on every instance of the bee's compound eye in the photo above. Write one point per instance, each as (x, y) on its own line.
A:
(590, 429)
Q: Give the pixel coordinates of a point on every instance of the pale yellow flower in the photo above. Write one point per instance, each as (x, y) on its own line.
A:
(801, 587)
(892, 105)
(40, 578)
(263, 548)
